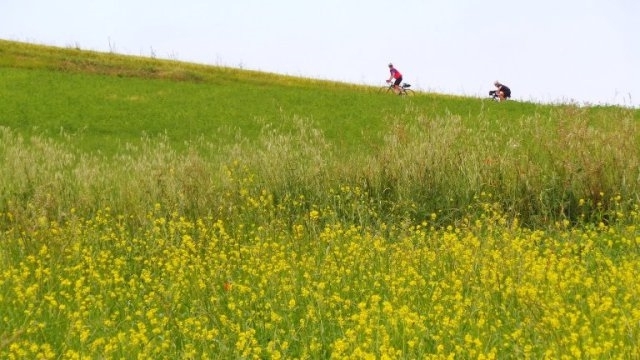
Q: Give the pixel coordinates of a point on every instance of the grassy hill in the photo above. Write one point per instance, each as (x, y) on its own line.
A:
(111, 100)
(436, 150)
(161, 210)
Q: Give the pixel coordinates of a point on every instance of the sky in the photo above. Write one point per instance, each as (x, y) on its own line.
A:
(547, 51)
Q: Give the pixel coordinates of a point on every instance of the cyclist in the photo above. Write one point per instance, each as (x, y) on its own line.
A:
(503, 91)
(395, 74)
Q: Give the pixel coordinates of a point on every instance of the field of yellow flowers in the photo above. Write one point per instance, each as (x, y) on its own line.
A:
(288, 280)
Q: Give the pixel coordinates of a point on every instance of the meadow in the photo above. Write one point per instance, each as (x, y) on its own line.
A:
(159, 209)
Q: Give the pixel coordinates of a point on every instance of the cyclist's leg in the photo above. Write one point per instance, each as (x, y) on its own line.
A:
(396, 85)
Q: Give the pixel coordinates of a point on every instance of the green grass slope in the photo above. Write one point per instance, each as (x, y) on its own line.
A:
(162, 210)
(110, 100)
(85, 130)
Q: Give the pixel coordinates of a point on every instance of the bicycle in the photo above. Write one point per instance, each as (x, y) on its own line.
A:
(493, 94)
(404, 89)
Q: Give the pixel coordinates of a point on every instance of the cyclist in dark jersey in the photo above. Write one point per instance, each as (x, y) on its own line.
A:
(504, 92)
(395, 74)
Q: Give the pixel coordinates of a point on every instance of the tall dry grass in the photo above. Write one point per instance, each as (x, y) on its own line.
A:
(540, 169)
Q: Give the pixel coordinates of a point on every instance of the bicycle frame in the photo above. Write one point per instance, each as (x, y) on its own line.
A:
(404, 89)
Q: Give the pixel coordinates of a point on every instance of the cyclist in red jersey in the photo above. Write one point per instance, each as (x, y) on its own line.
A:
(395, 74)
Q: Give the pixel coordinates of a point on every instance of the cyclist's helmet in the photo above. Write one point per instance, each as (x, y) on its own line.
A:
(390, 65)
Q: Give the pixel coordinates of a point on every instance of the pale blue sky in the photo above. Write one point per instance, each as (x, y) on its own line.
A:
(584, 51)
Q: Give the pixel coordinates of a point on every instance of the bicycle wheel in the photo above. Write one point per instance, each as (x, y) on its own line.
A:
(384, 89)
(409, 92)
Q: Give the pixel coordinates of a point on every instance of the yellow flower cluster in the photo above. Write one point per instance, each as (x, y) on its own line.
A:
(292, 280)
